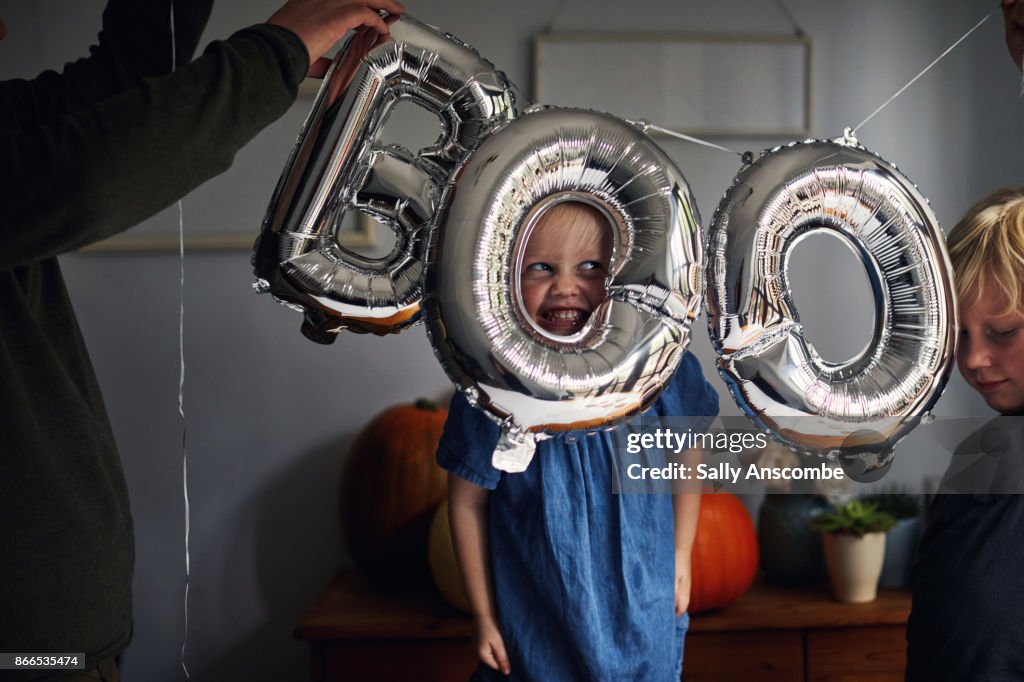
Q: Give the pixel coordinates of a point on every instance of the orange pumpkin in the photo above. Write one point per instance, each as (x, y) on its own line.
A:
(725, 553)
(392, 489)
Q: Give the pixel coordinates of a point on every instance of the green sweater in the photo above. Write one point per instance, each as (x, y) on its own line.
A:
(87, 153)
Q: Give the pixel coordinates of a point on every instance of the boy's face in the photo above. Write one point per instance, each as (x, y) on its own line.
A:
(564, 273)
(991, 351)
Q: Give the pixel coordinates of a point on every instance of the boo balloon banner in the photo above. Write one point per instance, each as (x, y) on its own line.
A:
(468, 210)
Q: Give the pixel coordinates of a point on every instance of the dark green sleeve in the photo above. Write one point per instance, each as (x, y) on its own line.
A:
(134, 43)
(97, 171)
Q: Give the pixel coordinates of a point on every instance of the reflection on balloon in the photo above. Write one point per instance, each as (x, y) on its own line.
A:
(774, 374)
(527, 380)
(337, 164)
(463, 209)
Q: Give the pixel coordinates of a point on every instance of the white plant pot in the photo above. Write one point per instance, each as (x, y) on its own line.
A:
(854, 565)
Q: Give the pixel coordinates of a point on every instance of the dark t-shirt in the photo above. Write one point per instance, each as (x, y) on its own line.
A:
(967, 621)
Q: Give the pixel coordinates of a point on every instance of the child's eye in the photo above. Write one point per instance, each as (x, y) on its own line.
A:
(539, 267)
(1002, 335)
(590, 265)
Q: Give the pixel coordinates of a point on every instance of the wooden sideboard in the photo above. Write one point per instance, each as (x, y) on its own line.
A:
(775, 633)
(360, 634)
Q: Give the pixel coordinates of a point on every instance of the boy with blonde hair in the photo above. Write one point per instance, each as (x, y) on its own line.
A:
(967, 621)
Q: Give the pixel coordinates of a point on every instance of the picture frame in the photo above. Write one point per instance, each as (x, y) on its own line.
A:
(711, 85)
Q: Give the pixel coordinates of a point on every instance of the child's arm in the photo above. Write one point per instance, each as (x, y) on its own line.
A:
(686, 505)
(467, 515)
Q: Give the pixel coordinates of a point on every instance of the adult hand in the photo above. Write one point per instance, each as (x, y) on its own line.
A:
(321, 23)
(490, 646)
(1013, 18)
(684, 581)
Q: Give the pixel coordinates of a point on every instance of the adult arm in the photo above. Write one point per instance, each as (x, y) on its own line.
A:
(134, 43)
(94, 172)
(467, 514)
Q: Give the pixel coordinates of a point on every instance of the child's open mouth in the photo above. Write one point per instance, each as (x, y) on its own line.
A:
(564, 320)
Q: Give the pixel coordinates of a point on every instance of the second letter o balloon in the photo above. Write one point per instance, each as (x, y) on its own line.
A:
(772, 371)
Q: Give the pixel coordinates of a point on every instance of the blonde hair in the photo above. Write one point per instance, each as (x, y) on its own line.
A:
(579, 222)
(987, 245)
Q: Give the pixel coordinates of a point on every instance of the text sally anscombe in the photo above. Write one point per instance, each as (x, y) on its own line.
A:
(720, 442)
(731, 473)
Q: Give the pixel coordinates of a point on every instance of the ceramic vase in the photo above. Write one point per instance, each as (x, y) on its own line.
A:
(854, 565)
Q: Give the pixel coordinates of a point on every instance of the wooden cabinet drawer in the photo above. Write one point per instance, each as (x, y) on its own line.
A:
(771, 634)
(768, 656)
(864, 654)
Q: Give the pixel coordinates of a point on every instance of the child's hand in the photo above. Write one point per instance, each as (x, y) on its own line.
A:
(490, 647)
(683, 582)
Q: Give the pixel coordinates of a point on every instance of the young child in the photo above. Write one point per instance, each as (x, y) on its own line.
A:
(565, 264)
(567, 580)
(967, 620)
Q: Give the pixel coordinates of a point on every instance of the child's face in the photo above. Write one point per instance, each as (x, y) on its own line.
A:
(991, 351)
(564, 270)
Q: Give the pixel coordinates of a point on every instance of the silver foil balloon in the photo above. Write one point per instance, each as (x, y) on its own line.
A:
(337, 164)
(864, 405)
(527, 380)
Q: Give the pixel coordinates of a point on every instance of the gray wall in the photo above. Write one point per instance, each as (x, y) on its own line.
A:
(271, 416)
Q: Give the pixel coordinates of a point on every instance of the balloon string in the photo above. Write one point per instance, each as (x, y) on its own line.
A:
(789, 15)
(184, 421)
(181, 380)
(682, 136)
(926, 69)
(550, 23)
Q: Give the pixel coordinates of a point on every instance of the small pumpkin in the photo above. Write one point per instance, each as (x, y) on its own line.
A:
(724, 559)
(443, 565)
(391, 491)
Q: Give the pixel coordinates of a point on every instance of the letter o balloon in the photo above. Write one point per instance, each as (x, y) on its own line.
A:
(773, 372)
(527, 380)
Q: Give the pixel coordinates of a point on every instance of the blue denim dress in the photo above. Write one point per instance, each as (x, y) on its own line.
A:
(583, 578)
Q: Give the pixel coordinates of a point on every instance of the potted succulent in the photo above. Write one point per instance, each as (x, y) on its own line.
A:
(854, 543)
(901, 541)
